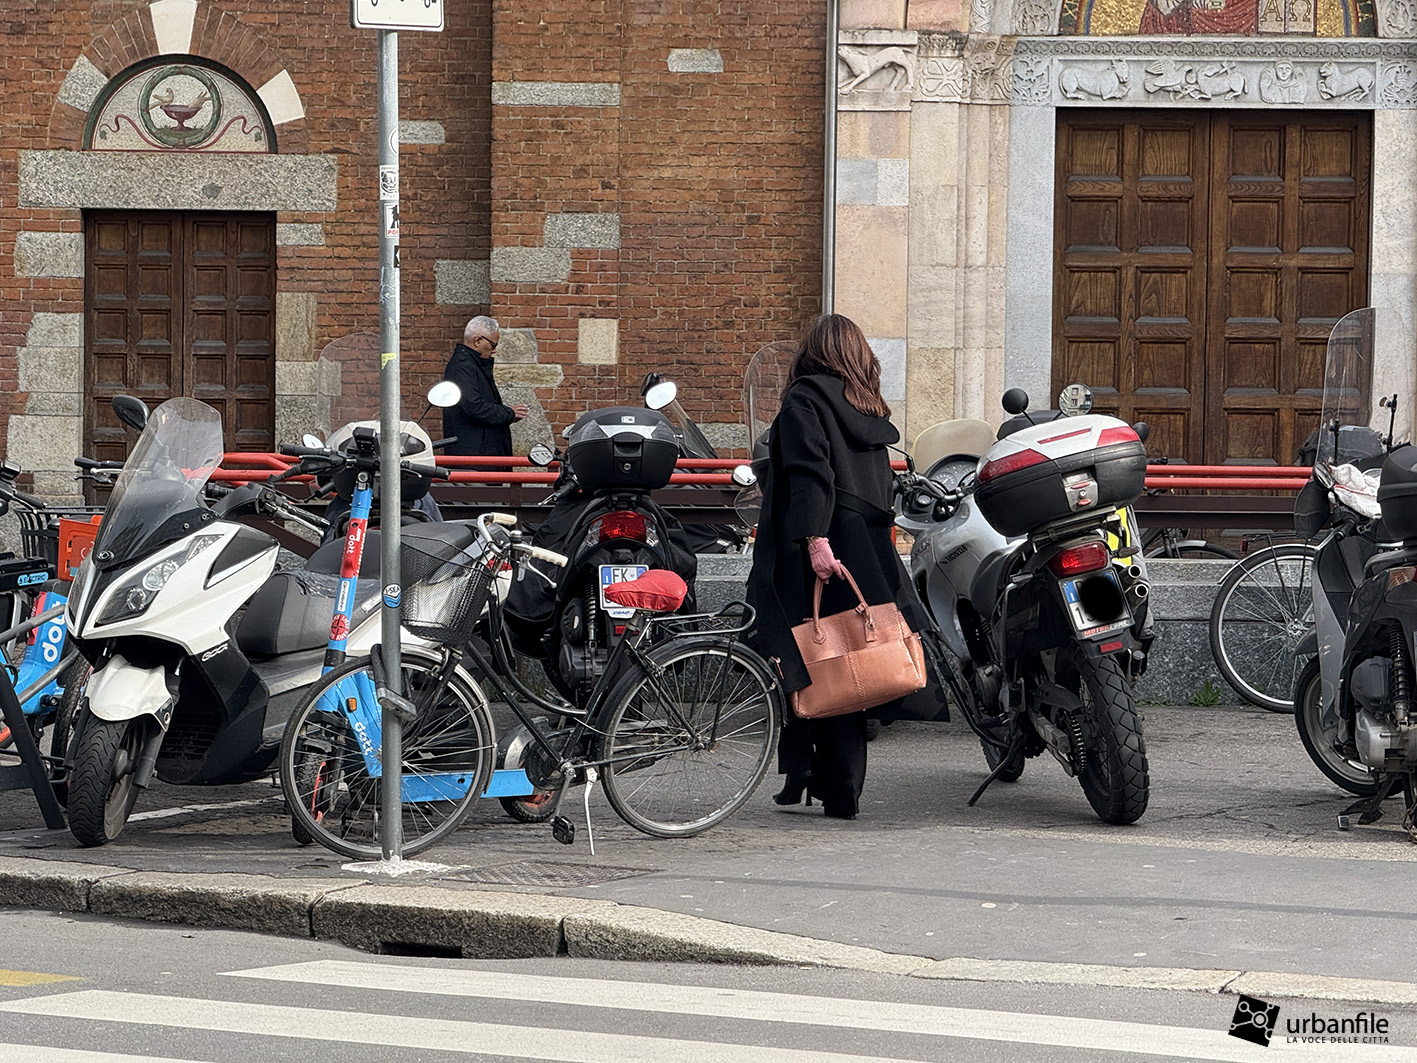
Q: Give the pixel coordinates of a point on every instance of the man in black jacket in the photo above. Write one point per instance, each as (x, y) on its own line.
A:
(480, 420)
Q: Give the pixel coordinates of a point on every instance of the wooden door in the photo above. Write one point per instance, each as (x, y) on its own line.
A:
(180, 304)
(1201, 260)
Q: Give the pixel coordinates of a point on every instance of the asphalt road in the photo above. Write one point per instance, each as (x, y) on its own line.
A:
(1237, 865)
(132, 992)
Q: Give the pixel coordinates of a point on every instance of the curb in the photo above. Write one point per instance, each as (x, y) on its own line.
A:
(432, 920)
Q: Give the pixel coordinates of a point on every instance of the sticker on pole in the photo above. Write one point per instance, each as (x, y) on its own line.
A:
(396, 14)
(388, 182)
(393, 594)
(391, 221)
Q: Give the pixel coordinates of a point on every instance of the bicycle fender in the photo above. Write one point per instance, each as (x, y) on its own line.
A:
(1309, 644)
(122, 691)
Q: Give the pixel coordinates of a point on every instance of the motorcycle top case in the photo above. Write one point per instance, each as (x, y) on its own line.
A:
(1397, 493)
(1051, 472)
(622, 446)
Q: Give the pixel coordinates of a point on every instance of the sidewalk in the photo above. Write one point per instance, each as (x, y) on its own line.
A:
(1235, 880)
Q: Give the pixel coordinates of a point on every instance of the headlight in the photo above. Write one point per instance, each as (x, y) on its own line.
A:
(132, 597)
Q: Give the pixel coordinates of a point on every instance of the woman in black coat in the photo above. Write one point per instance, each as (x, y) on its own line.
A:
(826, 502)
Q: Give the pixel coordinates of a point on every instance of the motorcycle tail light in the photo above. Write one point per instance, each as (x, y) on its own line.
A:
(1010, 463)
(1108, 436)
(1076, 560)
(620, 524)
(1396, 577)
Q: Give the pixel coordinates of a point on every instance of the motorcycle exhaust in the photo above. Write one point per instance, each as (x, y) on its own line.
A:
(1134, 572)
(1139, 591)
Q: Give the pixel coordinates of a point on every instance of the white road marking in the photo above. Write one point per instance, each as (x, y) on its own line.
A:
(167, 813)
(40, 1054)
(1055, 1030)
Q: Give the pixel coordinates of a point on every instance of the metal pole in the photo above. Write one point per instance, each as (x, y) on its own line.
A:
(829, 164)
(391, 799)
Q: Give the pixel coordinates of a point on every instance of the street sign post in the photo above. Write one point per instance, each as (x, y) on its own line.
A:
(397, 14)
(389, 16)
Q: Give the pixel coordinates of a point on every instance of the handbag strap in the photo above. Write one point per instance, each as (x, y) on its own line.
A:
(860, 606)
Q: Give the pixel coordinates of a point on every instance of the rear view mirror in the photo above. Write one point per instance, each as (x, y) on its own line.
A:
(444, 394)
(1015, 401)
(541, 455)
(1075, 400)
(660, 395)
(310, 439)
(131, 411)
(744, 476)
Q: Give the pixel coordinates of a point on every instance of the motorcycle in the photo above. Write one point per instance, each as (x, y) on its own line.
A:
(1040, 617)
(605, 521)
(199, 648)
(1354, 700)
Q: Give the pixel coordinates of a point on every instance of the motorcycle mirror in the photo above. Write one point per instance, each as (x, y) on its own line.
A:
(541, 455)
(1142, 429)
(1075, 400)
(310, 439)
(660, 395)
(131, 411)
(650, 380)
(444, 394)
(1015, 401)
(744, 476)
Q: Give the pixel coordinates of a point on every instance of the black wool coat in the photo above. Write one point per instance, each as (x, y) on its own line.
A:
(479, 420)
(829, 475)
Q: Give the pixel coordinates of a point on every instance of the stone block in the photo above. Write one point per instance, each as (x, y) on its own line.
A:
(856, 181)
(868, 15)
(555, 94)
(297, 321)
(936, 15)
(297, 378)
(890, 352)
(598, 340)
(299, 234)
(51, 884)
(462, 282)
(55, 404)
(172, 25)
(82, 84)
(282, 99)
(296, 415)
(1182, 979)
(528, 374)
(422, 132)
(893, 182)
(55, 330)
(532, 429)
(872, 135)
(232, 901)
(517, 345)
(531, 264)
(695, 61)
(479, 924)
(49, 254)
(38, 442)
(726, 436)
(50, 368)
(581, 230)
(871, 276)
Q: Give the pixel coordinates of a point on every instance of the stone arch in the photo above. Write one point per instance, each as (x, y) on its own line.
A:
(178, 27)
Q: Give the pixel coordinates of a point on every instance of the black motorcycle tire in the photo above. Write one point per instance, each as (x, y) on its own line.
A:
(1115, 776)
(1308, 718)
(75, 680)
(102, 792)
(994, 756)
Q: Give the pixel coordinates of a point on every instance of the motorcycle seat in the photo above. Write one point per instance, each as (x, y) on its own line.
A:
(292, 611)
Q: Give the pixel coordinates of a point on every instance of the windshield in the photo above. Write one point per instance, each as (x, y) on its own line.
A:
(1366, 406)
(763, 382)
(161, 481)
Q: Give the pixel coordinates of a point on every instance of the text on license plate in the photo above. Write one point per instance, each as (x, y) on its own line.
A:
(618, 574)
(1085, 622)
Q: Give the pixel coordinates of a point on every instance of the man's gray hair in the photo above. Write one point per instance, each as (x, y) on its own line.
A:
(481, 325)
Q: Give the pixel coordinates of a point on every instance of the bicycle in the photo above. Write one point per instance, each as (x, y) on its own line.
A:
(1263, 609)
(679, 728)
(1176, 543)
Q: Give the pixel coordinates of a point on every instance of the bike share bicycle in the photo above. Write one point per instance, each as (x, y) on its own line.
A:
(679, 727)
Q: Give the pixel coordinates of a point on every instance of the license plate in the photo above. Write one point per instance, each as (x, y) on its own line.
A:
(1084, 622)
(618, 574)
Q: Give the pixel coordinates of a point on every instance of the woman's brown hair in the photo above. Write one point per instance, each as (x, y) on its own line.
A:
(836, 346)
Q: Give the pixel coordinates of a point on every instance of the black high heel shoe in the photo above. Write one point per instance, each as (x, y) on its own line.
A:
(794, 790)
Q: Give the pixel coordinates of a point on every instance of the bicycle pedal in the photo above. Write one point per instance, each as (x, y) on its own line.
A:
(563, 830)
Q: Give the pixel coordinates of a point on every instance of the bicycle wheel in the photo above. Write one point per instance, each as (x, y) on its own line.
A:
(1263, 608)
(329, 757)
(1183, 548)
(687, 746)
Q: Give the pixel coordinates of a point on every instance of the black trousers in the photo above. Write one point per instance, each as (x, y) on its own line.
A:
(832, 751)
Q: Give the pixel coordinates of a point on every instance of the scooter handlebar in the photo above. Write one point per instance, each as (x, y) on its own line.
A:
(549, 556)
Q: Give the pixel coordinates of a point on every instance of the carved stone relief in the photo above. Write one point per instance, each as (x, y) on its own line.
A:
(1396, 18)
(1035, 18)
(876, 69)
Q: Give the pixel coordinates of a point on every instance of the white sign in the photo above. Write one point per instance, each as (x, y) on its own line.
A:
(397, 14)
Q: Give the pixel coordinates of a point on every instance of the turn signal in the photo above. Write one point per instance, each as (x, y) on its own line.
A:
(1076, 560)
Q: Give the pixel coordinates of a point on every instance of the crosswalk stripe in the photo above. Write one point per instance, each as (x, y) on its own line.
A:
(886, 1016)
(40, 1054)
(401, 1031)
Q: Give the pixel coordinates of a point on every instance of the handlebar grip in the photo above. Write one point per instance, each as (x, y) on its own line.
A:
(504, 519)
(442, 472)
(439, 444)
(32, 501)
(292, 451)
(551, 556)
(87, 463)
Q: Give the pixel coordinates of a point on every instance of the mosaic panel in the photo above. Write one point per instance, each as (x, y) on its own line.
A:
(178, 107)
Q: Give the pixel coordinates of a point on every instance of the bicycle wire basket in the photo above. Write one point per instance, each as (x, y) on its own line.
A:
(445, 588)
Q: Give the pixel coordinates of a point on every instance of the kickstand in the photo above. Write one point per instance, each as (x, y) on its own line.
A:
(1370, 809)
(591, 775)
(1410, 800)
(1014, 747)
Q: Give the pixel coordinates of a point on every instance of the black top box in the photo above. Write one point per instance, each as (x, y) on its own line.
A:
(622, 447)
(1397, 493)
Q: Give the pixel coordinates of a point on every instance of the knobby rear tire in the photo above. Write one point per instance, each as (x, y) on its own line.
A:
(1115, 776)
(674, 771)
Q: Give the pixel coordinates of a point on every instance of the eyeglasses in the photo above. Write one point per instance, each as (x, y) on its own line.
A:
(490, 343)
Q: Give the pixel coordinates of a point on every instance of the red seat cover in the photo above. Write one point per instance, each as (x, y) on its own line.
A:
(658, 589)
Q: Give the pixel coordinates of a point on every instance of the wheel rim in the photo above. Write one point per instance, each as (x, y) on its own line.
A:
(1321, 724)
(123, 791)
(674, 767)
(1263, 617)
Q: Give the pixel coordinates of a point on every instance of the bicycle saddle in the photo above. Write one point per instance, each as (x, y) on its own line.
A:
(658, 590)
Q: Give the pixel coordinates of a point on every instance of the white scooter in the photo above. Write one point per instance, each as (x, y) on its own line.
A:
(200, 649)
